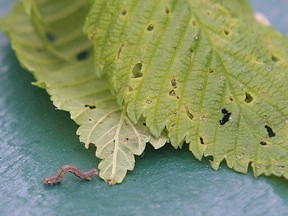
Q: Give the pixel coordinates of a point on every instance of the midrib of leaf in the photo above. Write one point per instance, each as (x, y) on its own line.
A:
(116, 147)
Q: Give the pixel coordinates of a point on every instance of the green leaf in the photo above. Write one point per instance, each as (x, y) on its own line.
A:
(73, 84)
(210, 74)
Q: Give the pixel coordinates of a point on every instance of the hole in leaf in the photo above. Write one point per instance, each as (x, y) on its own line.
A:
(274, 58)
(174, 83)
(172, 93)
(51, 37)
(226, 32)
(263, 143)
(270, 131)
(126, 139)
(248, 98)
(91, 106)
(148, 101)
(167, 10)
(144, 124)
(137, 71)
(190, 115)
(150, 27)
(124, 12)
(226, 116)
(201, 140)
(82, 55)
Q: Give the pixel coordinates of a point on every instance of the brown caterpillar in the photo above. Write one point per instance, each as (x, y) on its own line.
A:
(73, 169)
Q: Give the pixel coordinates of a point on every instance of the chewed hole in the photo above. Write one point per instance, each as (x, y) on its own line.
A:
(167, 10)
(124, 12)
(82, 55)
(226, 116)
(263, 143)
(172, 93)
(174, 83)
(137, 71)
(189, 114)
(150, 27)
(226, 32)
(149, 101)
(275, 58)
(91, 106)
(201, 140)
(51, 37)
(270, 131)
(248, 98)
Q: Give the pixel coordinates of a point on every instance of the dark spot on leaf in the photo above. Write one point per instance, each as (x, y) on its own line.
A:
(274, 58)
(150, 27)
(189, 114)
(167, 10)
(120, 50)
(201, 140)
(51, 37)
(211, 71)
(231, 99)
(126, 139)
(191, 50)
(174, 83)
(148, 101)
(208, 13)
(172, 93)
(144, 124)
(82, 55)
(137, 71)
(124, 12)
(248, 98)
(130, 89)
(91, 106)
(226, 32)
(194, 23)
(263, 143)
(226, 116)
(270, 131)
(90, 119)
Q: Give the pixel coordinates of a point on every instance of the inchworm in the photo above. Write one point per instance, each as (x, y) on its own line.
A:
(73, 169)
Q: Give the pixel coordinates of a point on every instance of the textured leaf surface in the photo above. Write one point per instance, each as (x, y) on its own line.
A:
(209, 73)
(72, 82)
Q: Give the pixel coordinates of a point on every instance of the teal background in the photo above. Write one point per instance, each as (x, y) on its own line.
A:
(36, 140)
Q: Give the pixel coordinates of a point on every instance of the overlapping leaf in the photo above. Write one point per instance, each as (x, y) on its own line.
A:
(210, 74)
(62, 64)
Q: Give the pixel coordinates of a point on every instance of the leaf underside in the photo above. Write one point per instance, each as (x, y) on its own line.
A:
(197, 69)
(63, 65)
